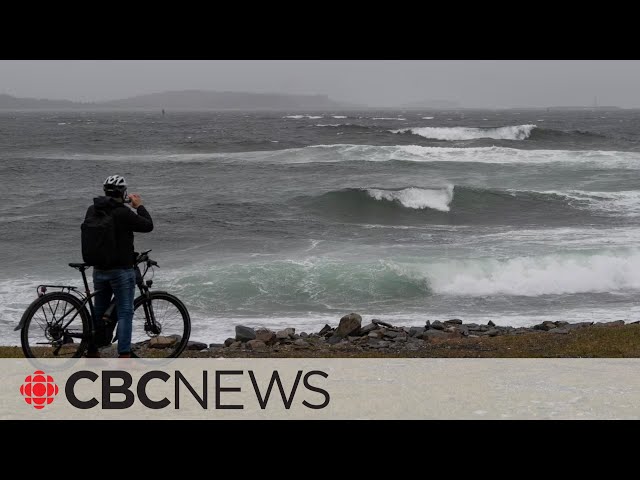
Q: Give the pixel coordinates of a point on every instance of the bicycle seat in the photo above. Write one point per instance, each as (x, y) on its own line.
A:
(79, 265)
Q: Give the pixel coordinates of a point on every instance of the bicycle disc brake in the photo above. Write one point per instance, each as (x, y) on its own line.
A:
(153, 329)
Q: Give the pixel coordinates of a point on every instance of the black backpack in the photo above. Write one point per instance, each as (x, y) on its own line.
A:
(99, 237)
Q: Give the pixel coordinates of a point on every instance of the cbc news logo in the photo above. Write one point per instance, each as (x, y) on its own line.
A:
(39, 389)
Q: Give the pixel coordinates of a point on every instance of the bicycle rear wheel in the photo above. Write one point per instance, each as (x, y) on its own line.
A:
(161, 326)
(55, 326)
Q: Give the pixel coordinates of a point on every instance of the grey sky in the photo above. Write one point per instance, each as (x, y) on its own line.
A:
(472, 83)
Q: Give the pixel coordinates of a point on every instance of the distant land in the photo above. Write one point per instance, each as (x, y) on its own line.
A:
(213, 100)
(8, 102)
(188, 100)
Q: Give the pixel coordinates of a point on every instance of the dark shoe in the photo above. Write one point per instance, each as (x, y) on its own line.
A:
(125, 355)
(93, 354)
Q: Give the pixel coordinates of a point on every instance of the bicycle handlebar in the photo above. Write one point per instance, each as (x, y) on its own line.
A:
(144, 257)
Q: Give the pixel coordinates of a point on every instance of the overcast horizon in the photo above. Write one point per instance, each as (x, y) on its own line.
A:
(380, 83)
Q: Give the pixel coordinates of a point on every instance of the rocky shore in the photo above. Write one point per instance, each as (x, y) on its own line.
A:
(379, 338)
(449, 338)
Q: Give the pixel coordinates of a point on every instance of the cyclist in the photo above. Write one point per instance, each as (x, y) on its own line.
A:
(115, 273)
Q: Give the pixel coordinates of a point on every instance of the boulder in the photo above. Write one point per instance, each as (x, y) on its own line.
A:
(244, 334)
(380, 322)
(326, 329)
(368, 328)
(413, 331)
(349, 324)
(162, 342)
(256, 345)
(266, 336)
(193, 345)
(286, 333)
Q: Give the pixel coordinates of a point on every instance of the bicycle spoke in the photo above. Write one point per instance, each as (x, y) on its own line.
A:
(44, 334)
(167, 317)
(43, 327)
(53, 312)
(45, 315)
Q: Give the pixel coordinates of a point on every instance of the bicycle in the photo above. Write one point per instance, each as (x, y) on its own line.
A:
(62, 323)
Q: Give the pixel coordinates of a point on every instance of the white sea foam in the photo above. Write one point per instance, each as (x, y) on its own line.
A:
(532, 276)
(375, 153)
(418, 198)
(513, 132)
(298, 117)
(496, 155)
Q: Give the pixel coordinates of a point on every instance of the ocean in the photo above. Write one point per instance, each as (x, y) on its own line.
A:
(295, 219)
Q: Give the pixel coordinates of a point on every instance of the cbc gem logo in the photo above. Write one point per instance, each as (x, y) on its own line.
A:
(39, 389)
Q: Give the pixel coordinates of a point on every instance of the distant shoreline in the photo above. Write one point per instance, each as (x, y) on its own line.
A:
(202, 100)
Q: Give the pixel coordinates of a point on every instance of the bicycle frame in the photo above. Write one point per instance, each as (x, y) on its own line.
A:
(60, 323)
(87, 296)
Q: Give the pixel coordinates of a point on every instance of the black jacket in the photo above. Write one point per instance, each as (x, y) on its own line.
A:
(126, 222)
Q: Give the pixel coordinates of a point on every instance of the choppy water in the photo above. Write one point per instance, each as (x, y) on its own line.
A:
(298, 218)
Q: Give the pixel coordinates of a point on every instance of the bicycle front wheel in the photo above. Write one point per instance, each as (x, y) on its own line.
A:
(55, 325)
(161, 326)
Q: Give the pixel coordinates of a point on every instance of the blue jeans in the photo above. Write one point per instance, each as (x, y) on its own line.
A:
(121, 283)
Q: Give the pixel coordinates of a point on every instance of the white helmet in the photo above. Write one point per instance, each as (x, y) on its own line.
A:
(115, 184)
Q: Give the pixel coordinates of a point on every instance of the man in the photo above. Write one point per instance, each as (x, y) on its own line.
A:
(115, 275)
